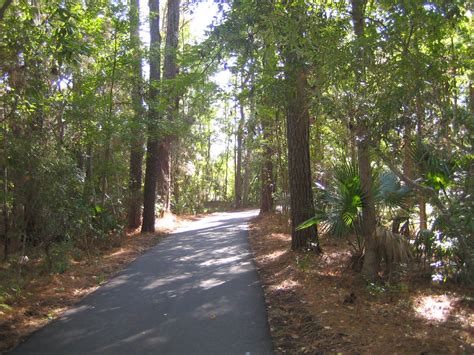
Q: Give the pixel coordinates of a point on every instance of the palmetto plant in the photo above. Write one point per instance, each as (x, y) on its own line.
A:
(340, 201)
(449, 241)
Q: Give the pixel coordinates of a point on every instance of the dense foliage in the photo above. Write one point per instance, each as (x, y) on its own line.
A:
(378, 95)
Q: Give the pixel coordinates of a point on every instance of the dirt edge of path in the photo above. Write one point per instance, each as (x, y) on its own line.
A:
(317, 305)
(44, 298)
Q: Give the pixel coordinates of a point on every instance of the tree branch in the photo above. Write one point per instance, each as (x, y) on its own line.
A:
(4, 8)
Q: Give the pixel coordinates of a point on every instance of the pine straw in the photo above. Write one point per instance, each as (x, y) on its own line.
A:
(44, 297)
(318, 304)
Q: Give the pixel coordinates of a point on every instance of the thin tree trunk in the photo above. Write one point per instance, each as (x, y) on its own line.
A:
(89, 168)
(246, 178)
(470, 181)
(170, 70)
(226, 174)
(371, 259)
(278, 134)
(151, 170)
(6, 221)
(4, 8)
(108, 133)
(208, 172)
(248, 143)
(136, 146)
(352, 140)
(164, 173)
(238, 171)
(266, 197)
(421, 198)
(408, 164)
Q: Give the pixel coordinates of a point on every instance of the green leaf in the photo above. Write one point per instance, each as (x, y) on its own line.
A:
(308, 223)
(5, 306)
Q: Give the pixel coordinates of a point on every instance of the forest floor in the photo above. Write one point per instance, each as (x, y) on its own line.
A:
(34, 298)
(317, 304)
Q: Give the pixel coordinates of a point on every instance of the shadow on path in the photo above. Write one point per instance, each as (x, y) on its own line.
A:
(196, 292)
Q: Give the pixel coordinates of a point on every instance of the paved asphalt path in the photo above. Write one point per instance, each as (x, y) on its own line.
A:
(196, 292)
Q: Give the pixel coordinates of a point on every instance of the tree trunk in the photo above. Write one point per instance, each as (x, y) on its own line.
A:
(281, 167)
(371, 264)
(266, 197)
(421, 198)
(5, 212)
(371, 259)
(238, 169)
(151, 170)
(297, 122)
(136, 146)
(247, 174)
(170, 70)
(88, 181)
(4, 8)
(164, 174)
(107, 168)
(248, 144)
(207, 177)
(226, 173)
(470, 181)
(408, 167)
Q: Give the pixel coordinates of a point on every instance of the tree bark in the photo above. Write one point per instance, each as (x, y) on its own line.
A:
(371, 259)
(164, 174)
(4, 8)
(151, 170)
(226, 173)
(421, 198)
(238, 168)
(248, 142)
(170, 70)
(408, 170)
(297, 122)
(108, 128)
(470, 181)
(247, 173)
(89, 189)
(280, 166)
(266, 196)
(5, 178)
(371, 264)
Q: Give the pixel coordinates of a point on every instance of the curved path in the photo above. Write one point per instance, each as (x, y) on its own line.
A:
(196, 292)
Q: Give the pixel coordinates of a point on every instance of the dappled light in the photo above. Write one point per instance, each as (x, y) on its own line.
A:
(167, 223)
(212, 310)
(210, 283)
(220, 261)
(273, 256)
(332, 308)
(117, 253)
(434, 308)
(166, 281)
(199, 279)
(286, 285)
(444, 308)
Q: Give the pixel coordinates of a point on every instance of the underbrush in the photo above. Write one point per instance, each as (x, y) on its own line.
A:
(321, 304)
(36, 289)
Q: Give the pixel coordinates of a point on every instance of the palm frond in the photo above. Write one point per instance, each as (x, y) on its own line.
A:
(437, 171)
(389, 191)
